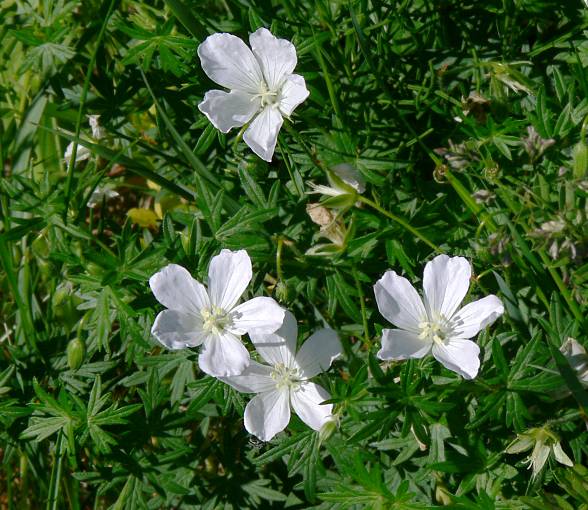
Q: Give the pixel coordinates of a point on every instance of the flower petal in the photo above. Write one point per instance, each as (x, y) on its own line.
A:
(293, 93)
(277, 57)
(460, 356)
(175, 289)
(223, 355)
(228, 61)
(178, 330)
(229, 274)
(82, 153)
(561, 456)
(399, 302)
(262, 134)
(539, 457)
(267, 414)
(577, 357)
(278, 347)
(445, 283)
(318, 352)
(398, 344)
(263, 314)
(227, 110)
(350, 176)
(307, 405)
(256, 378)
(475, 316)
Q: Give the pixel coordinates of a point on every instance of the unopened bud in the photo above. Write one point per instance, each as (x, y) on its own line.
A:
(40, 246)
(439, 173)
(580, 160)
(76, 352)
(327, 430)
(281, 292)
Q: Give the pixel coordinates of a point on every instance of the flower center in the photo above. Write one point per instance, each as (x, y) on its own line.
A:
(286, 378)
(214, 319)
(266, 96)
(436, 330)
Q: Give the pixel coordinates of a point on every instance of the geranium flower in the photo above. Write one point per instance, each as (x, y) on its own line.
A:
(285, 382)
(212, 317)
(262, 86)
(577, 358)
(435, 324)
(82, 152)
(544, 443)
(101, 194)
(344, 179)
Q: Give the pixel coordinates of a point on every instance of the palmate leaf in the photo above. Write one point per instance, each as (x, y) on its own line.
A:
(96, 418)
(261, 492)
(42, 428)
(102, 319)
(138, 426)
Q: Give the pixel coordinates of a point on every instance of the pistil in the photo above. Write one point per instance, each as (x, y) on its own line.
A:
(267, 97)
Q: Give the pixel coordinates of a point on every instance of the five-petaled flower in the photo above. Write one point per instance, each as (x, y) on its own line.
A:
(196, 316)
(544, 442)
(434, 324)
(262, 86)
(286, 381)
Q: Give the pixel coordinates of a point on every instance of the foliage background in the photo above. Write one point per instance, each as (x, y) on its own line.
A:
(136, 426)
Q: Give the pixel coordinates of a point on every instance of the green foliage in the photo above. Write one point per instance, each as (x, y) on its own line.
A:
(468, 122)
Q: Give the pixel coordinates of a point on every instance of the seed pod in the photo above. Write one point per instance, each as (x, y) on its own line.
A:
(76, 352)
(580, 160)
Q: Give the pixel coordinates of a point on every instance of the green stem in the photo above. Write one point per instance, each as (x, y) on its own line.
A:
(52, 501)
(562, 288)
(72, 161)
(471, 204)
(366, 336)
(279, 259)
(401, 222)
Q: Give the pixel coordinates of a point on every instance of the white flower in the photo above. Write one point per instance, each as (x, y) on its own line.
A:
(262, 86)
(211, 317)
(286, 382)
(344, 179)
(435, 323)
(97, 130)
(577, 358)
(544, 442)
(82, 153)
(101, 194)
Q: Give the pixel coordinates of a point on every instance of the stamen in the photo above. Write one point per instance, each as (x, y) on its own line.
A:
(267, 97)
(437, 330)
(286, 378)
(214, 319)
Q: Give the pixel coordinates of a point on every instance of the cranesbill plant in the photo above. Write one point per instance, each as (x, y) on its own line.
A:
(434, 324)
(286, 381)
(262, 86)
(212, 317)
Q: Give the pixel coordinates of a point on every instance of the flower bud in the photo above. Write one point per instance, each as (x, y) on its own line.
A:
(281, 292)
(327, 430)
(64, 303)
(580, 160)
(76, 352)
(439, 173)
(40, 245)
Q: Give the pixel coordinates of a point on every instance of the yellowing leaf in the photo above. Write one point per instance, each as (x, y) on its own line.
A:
(143, 217)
